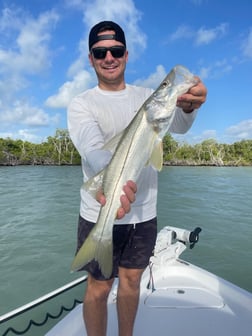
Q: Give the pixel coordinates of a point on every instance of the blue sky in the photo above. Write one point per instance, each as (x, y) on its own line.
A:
(43, 59)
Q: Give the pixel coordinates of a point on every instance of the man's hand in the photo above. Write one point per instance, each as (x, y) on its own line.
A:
(130, 190)
(194, 97)
(129, 197)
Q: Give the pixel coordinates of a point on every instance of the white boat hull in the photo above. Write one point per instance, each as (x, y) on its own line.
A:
(182, 299)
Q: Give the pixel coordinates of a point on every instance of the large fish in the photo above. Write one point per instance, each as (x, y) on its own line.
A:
(140, 144)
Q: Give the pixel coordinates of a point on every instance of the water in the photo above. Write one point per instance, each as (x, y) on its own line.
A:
(219, 201)
(39, 210)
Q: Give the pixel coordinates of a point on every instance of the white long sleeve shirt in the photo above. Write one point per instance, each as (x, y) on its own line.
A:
(94, 117)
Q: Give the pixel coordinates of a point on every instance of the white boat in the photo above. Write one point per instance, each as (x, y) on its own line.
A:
(177, 298)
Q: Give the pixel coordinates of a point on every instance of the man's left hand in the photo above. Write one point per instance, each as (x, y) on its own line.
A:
(194, 97)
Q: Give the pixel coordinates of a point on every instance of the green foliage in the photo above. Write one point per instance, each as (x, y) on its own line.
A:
(211, 153)
(169, 146)
(59, 150)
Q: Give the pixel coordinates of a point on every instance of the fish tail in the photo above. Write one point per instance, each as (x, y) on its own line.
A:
(93, 248)
(104, 257)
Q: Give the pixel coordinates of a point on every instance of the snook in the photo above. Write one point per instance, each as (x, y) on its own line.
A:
(139, 144)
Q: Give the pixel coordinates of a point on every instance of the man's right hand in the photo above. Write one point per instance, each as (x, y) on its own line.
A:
(129, 197)
(130, 189)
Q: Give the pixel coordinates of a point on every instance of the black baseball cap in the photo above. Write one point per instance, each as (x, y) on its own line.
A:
(102, 26)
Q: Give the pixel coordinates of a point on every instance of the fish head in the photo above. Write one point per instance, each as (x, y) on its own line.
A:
(161, 105)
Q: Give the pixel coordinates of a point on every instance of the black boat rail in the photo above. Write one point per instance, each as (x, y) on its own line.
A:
(19, 311)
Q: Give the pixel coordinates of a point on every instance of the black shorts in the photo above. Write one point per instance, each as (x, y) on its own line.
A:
(133, 245)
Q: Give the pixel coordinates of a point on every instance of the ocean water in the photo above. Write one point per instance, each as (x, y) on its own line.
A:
(217, 199)
(38, 221)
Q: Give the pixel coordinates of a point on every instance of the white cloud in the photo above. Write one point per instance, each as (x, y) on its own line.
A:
(191, 138)
(29, 51)
(202, 35)
(28, 135)
(216, 70)
(208, 134)
(6, 135)
(183, 31)
(240, 131)
(9, 88)
(81, 82)
(204, 72)
(82, 61)
(206, 36)
(9, 20)
(154, 79)
(234, 133)
(247, 45)
(21, 112)
(23, 134)
(24, 51)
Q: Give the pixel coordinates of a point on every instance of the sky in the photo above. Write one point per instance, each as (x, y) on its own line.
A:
(44, 59)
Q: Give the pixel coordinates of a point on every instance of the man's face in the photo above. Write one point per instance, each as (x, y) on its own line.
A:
(109, 70)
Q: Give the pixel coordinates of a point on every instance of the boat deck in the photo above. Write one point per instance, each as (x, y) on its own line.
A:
(184, 300)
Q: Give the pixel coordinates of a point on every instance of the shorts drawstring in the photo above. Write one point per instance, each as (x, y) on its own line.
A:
(131, 234)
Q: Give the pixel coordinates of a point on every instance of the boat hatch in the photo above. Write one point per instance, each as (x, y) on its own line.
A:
(182, 297)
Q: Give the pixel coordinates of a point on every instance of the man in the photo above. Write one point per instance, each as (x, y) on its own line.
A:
(94, 117)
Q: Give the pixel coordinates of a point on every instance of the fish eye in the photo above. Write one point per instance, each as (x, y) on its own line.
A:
(164, 84)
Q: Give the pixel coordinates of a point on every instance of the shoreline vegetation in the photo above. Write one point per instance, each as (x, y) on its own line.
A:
(59, 150)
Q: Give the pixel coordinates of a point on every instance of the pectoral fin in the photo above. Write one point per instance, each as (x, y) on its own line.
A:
(156, 158)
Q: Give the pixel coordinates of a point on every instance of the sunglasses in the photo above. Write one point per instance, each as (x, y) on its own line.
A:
(101, 52)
